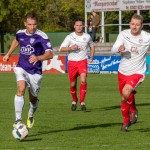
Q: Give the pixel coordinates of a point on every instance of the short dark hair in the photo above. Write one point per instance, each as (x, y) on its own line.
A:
(31, 15)
(78, 19)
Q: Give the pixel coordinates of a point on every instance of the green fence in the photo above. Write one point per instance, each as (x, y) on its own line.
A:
(6, 39)
(56, 39)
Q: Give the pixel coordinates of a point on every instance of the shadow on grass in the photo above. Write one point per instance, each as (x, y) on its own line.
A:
(118, 106)
(78, 128)
(31, 140)
(143, 130)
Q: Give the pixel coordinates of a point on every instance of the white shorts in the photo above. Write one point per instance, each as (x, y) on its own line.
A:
(33, 81)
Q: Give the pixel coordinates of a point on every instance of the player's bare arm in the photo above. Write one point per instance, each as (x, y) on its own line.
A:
(71, 48)
(92, 52)
(13, 47)
(47, 55)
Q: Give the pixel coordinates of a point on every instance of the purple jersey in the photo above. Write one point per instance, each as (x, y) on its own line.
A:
(32, 44)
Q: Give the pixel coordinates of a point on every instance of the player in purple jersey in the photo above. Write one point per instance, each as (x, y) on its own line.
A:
(35, 47)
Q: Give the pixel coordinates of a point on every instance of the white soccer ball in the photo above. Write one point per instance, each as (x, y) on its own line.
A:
(20, 132)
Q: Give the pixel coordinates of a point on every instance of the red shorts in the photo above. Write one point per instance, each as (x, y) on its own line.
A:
(75, 68)
(133, 80)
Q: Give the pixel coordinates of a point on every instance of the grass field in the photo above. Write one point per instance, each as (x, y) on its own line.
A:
(58, 128)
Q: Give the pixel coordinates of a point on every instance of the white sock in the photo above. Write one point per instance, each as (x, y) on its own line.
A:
(19, 103)
(33, 108)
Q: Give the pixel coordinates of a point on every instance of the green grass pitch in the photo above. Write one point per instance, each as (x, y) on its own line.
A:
(58, 128)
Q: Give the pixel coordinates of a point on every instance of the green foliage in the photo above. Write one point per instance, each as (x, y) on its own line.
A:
(54, 15)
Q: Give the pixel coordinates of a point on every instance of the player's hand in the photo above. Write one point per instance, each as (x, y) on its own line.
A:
(121, 48)
(33, 59)
(6, 58)
(74, 47)
(90, 60)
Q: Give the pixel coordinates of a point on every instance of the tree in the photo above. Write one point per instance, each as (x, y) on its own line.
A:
(54, 15)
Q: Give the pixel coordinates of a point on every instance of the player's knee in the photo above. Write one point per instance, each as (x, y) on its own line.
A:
(33, 100)
(125, 94)
(20, 91)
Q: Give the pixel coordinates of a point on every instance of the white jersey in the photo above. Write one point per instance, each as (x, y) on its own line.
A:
(134, 57)
(82, 42)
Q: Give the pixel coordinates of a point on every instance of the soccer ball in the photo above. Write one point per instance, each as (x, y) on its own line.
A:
(20, 132)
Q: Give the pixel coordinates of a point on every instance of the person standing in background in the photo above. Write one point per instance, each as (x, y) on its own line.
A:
(89, 25)
(95, 24)
(76, 44)
(35, 47)
(133, 45)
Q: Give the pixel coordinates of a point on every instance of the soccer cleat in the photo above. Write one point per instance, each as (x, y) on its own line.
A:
(83, 107)
(17, 122)
(74, 106)
(30, 122)
(124, 127)
(133, 116)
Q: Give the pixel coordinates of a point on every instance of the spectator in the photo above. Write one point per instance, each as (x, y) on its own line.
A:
(96, 22)
(89, 25)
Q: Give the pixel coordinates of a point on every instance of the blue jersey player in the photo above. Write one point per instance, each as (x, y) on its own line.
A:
(35, 47)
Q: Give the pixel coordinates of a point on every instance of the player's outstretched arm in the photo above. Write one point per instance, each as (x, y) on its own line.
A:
(12, 48)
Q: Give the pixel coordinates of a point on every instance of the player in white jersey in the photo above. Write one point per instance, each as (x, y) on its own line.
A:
(76, 44)
(34, 48)
(133, 45)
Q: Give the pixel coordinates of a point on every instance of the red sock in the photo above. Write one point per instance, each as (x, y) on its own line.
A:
(125, 112)
(73, 94)
(131, 102)
(82, 92)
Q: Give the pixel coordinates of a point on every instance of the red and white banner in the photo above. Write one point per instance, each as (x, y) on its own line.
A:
(55, 65)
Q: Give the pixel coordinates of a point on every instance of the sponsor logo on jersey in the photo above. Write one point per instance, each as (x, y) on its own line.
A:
(28, 50)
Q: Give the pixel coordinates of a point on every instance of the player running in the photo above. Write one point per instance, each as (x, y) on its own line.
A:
(133, 45)
(76, 44)
(34, 48)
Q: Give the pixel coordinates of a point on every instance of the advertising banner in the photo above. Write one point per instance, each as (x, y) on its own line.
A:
(116, 5)
(8, 66)
(104, 64)
(108, 64)
(148, 65)
(55, 65)
(100, 64)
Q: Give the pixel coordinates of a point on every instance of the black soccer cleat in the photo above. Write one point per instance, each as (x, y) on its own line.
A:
(83, 107)
(125, 127)
(73, 107)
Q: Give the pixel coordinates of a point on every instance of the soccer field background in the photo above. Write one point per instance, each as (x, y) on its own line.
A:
(58, 128)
